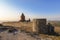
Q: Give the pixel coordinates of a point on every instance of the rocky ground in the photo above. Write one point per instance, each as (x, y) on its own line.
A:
(7, 34)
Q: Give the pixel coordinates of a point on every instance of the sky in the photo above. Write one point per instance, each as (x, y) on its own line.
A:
(10, 10)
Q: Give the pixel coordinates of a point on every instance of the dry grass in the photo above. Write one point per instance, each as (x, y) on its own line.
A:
(23, 36)
(50, 37)
(56, 25)
(57, 29)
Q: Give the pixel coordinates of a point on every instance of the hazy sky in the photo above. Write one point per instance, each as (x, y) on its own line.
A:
(12, 9)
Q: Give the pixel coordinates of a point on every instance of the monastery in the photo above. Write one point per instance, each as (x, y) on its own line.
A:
(36, 25)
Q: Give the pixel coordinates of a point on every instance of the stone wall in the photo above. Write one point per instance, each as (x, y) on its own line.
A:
(40, 25)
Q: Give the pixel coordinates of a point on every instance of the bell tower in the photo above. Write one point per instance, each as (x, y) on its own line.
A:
(22, 18)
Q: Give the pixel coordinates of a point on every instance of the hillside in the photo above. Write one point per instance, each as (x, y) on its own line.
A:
(22, 35)
(55, 23)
